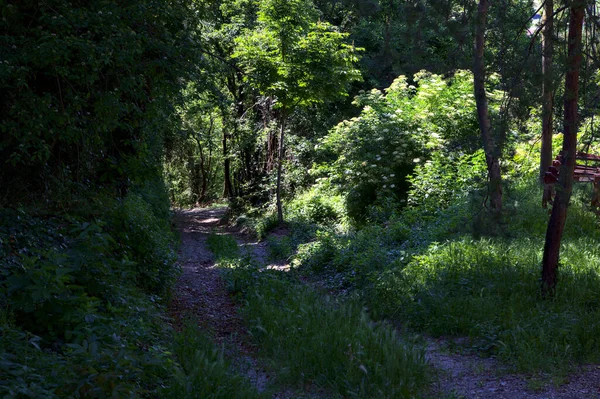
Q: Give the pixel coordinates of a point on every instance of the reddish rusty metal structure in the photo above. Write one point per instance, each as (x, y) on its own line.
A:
(584, 173)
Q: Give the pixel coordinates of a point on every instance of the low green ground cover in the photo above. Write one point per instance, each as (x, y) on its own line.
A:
(82, 306)
(312, 340)
(81, 293)
(452, 274)
(203, 371)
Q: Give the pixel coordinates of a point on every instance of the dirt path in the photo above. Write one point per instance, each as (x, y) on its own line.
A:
(200, 290)
(472, 377)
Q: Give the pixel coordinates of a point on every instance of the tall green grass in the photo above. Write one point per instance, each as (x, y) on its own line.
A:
(312, 340)
(490, 291)
(223, 246)
(458, 272)
(204, 372)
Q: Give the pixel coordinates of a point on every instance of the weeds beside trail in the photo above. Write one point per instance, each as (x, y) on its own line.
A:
(316, 341)
(292, 341)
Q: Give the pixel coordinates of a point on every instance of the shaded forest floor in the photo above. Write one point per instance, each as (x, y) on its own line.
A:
(201, 293)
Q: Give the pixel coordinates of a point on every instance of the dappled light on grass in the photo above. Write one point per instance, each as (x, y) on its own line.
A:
(313, 340)
(203, 371)
(489, 291)
(454, 272)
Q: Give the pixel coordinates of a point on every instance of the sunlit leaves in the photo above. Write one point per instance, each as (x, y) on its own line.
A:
(294, 57)
(398, 130)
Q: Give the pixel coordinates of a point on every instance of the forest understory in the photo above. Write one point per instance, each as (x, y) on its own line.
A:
(454, 367)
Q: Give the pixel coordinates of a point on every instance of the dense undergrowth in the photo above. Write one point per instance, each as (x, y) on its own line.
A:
(204, 370)
(431, 254)
(316, 341)
(81, 296)
(458, 272)
(385, 207)
(83, 293)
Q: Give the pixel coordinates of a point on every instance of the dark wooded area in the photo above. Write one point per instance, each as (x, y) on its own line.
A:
(390, 151)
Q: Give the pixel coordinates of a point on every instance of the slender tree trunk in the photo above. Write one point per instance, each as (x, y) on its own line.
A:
(204, 176)
(489, 146)
(279, 168)
(204, 182)
(386, 54)
(236, 88)
(564, 187)
(227, 191)
(547, 94)
(272, 149)
(195, 178)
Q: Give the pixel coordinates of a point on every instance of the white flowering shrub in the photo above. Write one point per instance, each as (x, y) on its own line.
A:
(372, 155)
(446, 177)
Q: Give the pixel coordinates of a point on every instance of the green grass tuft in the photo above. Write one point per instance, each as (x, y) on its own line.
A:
(313, 340)
(223, 246)
(204, 371)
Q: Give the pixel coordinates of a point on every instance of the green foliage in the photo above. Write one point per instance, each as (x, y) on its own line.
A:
(369, 158)
(79, 298)
(204, 371)
(264, 224)
(316, 206)
(427, 270)
(23, 364)
(402, 38)
(353, 259)
(145, 237)
(317, 255)
(445, 177)
(312, 340)
(295, 57)
(87, 90)
(280, 248)
(293, 60)
(489, 290)
(193, 158)
(223, 246)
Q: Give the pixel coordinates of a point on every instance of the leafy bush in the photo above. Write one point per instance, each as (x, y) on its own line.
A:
(280, 248)
(84, 99)
(317, 255)
(223, 246)
(369, 159)
(444, 178)
(317, 205)
(24, 365)
(146, 238)
(354, 257)
(75, 315)
(427, 267)
(265, 224)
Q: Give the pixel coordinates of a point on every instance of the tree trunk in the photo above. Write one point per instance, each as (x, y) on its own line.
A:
(204, 176)
(279, 169)
(564, 187)
(227, 191)
(547, 95)
(202, 167)
(272, 149)
(489, 146)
